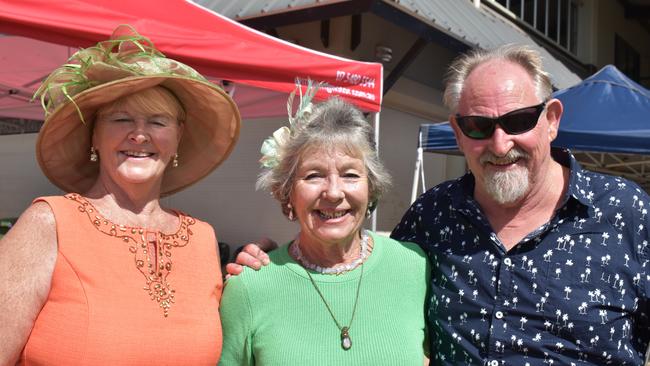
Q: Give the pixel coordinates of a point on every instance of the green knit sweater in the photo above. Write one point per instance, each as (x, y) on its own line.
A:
(275, 316)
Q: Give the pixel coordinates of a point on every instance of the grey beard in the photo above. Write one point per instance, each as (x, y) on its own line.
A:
(507, 187)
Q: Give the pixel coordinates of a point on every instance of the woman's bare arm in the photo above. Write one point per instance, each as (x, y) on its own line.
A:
(28, 254)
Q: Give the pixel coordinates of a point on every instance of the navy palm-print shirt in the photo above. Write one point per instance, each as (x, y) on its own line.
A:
(574, 291)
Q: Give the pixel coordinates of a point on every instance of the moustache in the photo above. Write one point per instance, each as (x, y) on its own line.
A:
(513, 155)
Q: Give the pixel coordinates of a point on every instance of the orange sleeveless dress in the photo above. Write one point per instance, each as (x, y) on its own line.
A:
(128, 296)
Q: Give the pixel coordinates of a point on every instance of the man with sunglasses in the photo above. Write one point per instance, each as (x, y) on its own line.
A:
(535, 261)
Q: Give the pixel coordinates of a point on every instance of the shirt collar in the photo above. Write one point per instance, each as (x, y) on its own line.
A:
(578, 188)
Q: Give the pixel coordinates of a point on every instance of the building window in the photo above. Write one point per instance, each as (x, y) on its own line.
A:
(555, 19)
(626, 58)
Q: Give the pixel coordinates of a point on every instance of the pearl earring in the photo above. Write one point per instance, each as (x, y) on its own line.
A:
(93, 154)
(175, 161)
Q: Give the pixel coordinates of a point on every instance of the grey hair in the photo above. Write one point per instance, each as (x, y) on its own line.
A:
(522, 55)
(332, 124)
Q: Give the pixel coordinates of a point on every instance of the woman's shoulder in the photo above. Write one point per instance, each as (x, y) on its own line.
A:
(399, 247)
(38, 214)
(193, 221)
(195, 225)
(52, 201)
(280, 254)
(405, 258)
(402, 256)
(35, 229)
(63, 203)
(255, 284)
(265, 277)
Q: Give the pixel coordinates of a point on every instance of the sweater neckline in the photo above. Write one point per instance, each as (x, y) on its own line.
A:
(352, 275)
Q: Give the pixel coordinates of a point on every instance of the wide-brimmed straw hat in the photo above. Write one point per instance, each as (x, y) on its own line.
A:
(125, 64)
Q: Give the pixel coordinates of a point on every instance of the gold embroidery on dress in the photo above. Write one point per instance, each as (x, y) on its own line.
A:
(138, 239)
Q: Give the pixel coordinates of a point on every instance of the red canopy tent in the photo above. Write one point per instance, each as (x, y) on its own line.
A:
(216, 46)
(263, 68)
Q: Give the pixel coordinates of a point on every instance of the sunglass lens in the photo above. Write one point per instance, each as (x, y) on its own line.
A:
(520, 121)
(476, 127)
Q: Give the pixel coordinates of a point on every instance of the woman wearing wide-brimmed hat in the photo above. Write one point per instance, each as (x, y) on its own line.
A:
(104, 274)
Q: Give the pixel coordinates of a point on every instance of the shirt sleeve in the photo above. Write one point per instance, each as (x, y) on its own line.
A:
(407, 228)
(236, 323)
(427, 314)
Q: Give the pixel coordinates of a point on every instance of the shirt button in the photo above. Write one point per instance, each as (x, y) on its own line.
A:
(507, 261)
(499, 315)
(494, 363)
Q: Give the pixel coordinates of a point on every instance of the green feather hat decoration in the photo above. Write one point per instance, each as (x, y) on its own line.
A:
(272, 146)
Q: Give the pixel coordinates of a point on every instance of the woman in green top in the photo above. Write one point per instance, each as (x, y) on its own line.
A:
(337, 294)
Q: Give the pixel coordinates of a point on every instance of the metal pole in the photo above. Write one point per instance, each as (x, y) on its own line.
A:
(424, 183)
(376, 124)
(568, 26)
(418, 164)
(546, 18)
(416, 178)
(559, 11)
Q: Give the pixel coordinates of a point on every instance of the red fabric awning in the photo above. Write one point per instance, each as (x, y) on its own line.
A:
(216, 46)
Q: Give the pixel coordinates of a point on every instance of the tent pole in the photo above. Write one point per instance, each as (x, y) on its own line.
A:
(375, 117)
(418, 163)
(424, 184)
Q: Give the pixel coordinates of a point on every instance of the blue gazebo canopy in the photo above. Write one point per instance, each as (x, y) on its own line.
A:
(606, 112)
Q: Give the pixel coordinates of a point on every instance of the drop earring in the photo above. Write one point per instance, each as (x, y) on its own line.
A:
(93, 154)
(175, 161)
(370, 208)
(290, 215)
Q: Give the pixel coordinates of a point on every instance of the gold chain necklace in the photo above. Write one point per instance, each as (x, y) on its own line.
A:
(346, 342)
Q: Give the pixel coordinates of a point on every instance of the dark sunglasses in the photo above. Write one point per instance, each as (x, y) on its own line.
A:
(513, 123)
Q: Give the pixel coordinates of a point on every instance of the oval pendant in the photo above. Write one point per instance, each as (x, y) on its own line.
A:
(346, 342)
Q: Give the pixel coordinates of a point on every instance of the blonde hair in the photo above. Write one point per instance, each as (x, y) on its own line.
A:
(521, 55)
(157, 99)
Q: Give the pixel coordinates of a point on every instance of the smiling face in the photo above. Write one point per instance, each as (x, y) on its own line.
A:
(135, 141)
(506, 167)
(329, 196)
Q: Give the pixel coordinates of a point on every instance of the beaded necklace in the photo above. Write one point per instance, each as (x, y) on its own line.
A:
(337, 269)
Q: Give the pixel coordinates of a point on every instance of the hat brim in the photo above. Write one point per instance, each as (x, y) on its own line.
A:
(211, 130)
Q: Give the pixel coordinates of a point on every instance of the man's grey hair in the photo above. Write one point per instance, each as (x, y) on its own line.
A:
(332, 124)
(521, 55)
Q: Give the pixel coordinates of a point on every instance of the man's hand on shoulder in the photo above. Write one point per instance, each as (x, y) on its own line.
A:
(252, 255)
